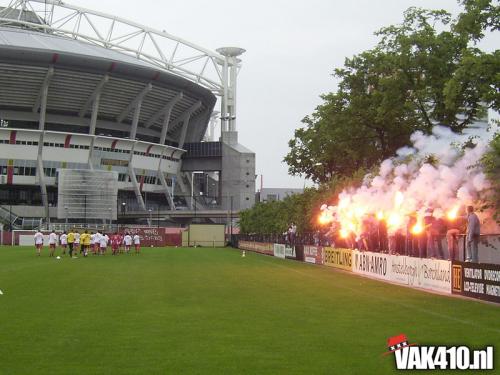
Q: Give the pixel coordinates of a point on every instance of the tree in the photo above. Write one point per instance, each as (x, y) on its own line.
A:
(418, 75)
(491, 166)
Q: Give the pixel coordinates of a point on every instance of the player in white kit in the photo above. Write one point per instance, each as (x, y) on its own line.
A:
(38, 241)
(137, 243)
(63, 241)
(52, 243)
(127, 241)
(103, 243)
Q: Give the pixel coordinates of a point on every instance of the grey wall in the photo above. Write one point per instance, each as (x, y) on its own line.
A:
(237, 177)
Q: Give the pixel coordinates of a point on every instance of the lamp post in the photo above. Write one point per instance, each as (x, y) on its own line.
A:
(150, 217)
(110, 218)
(66, 216)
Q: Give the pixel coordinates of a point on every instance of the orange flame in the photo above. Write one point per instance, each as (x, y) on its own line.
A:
(417, 228)
(453, 213)
(380, 215)
(394, 220)
(325, 218)
(344, 233)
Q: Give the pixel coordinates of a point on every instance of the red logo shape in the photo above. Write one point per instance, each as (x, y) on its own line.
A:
(397, 342)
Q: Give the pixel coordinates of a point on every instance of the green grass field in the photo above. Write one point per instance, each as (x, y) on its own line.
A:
(209, 311)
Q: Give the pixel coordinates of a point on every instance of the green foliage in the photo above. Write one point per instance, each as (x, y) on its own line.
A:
(422, 72)
(491, 166)
(302, 209)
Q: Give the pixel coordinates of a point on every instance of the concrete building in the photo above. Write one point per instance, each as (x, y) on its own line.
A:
(275, 194)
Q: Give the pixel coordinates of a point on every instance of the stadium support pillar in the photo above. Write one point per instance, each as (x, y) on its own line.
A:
(163, 111)
(164, 184)
(95, 111)
(137, 191)
(41, 176)
(41, 101)
(182, 138)
(133, 180)
(135, 120)
(134, 102)
(91, 99)
(164, 127)
(91, 153)
(184, 118)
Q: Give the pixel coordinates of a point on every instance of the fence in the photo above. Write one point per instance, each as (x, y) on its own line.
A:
(489, 244)
(476, 280)
(150, 236)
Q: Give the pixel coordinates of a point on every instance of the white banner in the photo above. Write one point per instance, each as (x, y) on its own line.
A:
(279, 250)
(435, 274)
(405, 270)
(290, 252)
(371, 264)
(432, 274)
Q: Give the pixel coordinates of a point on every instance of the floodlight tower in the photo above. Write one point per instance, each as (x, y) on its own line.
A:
(230, 68)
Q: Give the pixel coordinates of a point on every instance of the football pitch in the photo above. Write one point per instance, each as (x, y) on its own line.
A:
(210, 311)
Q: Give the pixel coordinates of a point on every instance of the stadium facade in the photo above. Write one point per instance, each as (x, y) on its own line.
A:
(101, 116)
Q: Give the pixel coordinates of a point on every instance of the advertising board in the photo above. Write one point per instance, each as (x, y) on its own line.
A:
(313, 254)
(338, 258)
(476, 280)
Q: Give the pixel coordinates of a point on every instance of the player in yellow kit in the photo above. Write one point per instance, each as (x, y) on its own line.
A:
(85, 241)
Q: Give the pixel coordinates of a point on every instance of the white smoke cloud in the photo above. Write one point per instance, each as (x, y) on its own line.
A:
(435, 172)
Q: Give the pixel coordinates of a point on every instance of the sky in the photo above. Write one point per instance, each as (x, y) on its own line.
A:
(292, 48)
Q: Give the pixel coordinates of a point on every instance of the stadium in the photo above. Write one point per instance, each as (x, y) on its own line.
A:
(104, 119)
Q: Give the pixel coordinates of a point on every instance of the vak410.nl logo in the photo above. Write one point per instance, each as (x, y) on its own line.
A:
(410, 356)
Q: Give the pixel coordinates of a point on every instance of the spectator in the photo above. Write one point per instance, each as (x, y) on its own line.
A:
(438, 230)
(426, 243)
(411, 239)
(292, 233)
(472, 238)
(454, 228)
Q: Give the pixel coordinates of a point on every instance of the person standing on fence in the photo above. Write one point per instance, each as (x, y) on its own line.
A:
(429, 220)
(38, 241)
(63, 241)
(71, 241)
(438, 230)
(293, 233)
(472, 238)
(454, 227)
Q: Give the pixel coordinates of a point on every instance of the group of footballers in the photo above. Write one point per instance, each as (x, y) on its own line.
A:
(96, 243)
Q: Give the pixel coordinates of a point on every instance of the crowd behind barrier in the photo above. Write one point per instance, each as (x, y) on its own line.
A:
(450, 246)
